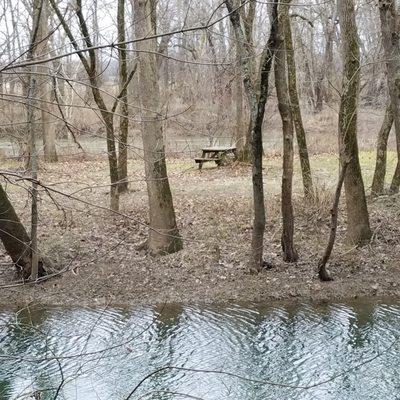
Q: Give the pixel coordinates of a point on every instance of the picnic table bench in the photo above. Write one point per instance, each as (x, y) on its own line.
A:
(216, 154)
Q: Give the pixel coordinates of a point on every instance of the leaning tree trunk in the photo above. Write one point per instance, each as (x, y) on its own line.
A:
(14, 236)
(378, 182)
(358, 228)
(295, 105)
(91, 67)
(390, 41)
(124, 110)
(163, 233)
(289, 251)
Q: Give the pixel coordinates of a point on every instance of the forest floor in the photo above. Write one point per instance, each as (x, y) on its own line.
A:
(96, 249)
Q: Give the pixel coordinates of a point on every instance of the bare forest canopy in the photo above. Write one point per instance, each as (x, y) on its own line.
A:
(105, 104)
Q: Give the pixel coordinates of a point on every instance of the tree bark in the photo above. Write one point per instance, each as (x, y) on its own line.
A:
(91, 68)
(246, 18)
(295, 106)
(358, 228)
(289, 251)
(391, 44)
(326, 64)
(47, 126)
(163, 233)
(239, 137)
(257, 95)
(378, 182)
(323, 273)
(123, 102)
(14, 236)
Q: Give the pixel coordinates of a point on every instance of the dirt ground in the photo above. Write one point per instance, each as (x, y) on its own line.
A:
(96, 249)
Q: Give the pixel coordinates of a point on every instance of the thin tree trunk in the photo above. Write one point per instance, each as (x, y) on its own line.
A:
(289, 251)
(239, 139)
(163, 233)
(247, 25)
(91, 69)
(309, 86)
(34, 173)
(123, 104)
(378, 182)
(257, 110)
(323, 273)
(326, 65)
(38, 10)
(44, 89)
(390, 40)
(295, 106)
(358, 228)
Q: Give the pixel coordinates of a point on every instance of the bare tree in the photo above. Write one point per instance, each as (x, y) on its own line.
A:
(257, 94)
(295, 105)
(90, 65)
(247, 14)
(124, 109)
(163, 234)
(378, 182)
(358, 228)
(44, 86)
(323, 72)
(390, 40)
(289, 251)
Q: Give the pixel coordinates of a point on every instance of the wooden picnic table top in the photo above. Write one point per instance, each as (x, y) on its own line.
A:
(218, 149)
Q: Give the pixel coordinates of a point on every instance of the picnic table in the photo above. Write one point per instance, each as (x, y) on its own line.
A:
(216, 154)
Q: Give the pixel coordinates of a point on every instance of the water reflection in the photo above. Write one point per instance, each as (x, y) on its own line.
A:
(105, 353)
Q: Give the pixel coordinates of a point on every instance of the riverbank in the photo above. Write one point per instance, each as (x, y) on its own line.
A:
(97, 249)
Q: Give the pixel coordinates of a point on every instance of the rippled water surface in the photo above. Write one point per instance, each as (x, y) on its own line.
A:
(333, 352)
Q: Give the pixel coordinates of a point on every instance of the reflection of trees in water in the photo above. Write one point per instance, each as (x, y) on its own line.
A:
(297, 344)
(167, 320)
(5, 389)
(361, 324)
(166, 326)
(28, 338)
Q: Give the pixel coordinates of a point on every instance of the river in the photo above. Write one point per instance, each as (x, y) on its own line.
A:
(246, 352)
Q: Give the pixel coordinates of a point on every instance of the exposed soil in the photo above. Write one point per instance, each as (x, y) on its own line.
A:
(96, 249)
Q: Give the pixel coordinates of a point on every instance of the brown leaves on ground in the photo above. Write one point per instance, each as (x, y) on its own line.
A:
(214, 211)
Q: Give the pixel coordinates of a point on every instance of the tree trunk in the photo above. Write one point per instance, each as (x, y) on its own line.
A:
(309, 86)
(326, 65)
(123, 103)
(44, 84)
(14, 236)
(163, 233)
(91, 68)
(378, 183)
(295, 106)
(247, 24)
(390, 41)
(323, 273)
(289, 251)
(257, 111)
(239, 137)
(358, 228)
